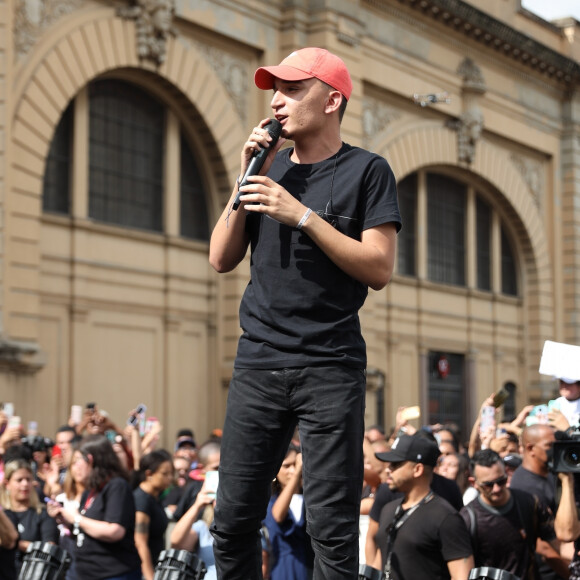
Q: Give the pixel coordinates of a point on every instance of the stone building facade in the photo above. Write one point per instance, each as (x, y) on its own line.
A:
(121, 125)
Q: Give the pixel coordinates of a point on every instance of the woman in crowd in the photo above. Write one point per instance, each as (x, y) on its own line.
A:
(75, 483)
(22, 506)
(455, 466)
(104, 527)
(156, 475)
(191, 532)
(286, 522)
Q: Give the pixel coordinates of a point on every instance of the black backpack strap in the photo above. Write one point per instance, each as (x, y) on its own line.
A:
(472, 529)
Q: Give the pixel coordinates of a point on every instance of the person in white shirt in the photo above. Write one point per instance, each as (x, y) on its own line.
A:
(568, 405)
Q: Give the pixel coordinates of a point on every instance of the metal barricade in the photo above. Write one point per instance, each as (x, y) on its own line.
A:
(488, 573)
(179, 565)
(44, 561)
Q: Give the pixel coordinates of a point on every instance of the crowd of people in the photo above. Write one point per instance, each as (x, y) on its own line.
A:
(432, 505)
(438, 506)
(105, 495)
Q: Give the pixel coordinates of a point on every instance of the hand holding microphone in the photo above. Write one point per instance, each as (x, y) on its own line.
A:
(274, 128)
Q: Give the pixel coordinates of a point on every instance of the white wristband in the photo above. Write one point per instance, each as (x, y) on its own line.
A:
(304, 218)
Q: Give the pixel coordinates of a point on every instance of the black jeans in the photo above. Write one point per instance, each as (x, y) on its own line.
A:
(264, 406)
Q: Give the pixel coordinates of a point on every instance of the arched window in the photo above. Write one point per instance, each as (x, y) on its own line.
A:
(136, 146)
(126, 133)
(56, 193)
(451, 207)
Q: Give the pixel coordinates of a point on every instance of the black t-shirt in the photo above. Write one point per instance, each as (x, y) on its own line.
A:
(7, 564)
(448, 490)
(187, 498)
(158, 521)
(544, 488)
(33, 526)
(433, 535)
(443, 487)
(96, 559)
(383, 496)
(299, 307)
(8, 557)
(172, 496)
(501, 538)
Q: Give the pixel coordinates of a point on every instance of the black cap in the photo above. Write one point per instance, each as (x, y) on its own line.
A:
(412, 448)
(513, 460)
(185, 441)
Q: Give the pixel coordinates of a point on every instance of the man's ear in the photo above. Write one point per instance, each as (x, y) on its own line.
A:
(333, 101)
(418, 470)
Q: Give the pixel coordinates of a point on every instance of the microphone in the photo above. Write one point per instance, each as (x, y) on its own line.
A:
(257, 161)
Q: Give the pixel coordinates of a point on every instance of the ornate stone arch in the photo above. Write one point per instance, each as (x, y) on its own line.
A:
(95, 47)
(411, 147)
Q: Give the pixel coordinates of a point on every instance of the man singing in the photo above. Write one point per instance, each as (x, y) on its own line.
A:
(321, 220)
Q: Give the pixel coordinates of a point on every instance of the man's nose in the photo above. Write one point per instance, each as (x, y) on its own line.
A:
(276, 100)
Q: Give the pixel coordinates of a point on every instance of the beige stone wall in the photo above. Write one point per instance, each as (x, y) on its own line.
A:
(5, 54)
(123, 317)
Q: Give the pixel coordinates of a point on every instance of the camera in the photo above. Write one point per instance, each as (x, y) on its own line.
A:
(36, 442)
(566, 454)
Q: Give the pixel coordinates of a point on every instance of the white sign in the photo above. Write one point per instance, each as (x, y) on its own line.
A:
(561, 361)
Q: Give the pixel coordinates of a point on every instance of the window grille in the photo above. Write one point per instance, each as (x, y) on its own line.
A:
(509, 281)
(483, 236)
(126, 144)
(446, 230)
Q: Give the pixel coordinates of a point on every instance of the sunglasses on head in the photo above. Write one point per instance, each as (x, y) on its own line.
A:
(501, 481)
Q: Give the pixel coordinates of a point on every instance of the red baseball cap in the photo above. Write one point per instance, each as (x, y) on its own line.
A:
(308, 63)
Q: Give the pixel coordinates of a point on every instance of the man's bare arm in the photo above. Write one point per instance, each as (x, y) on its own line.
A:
(371, 548)
(459, 569)
(229, 241)
(566, 522)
